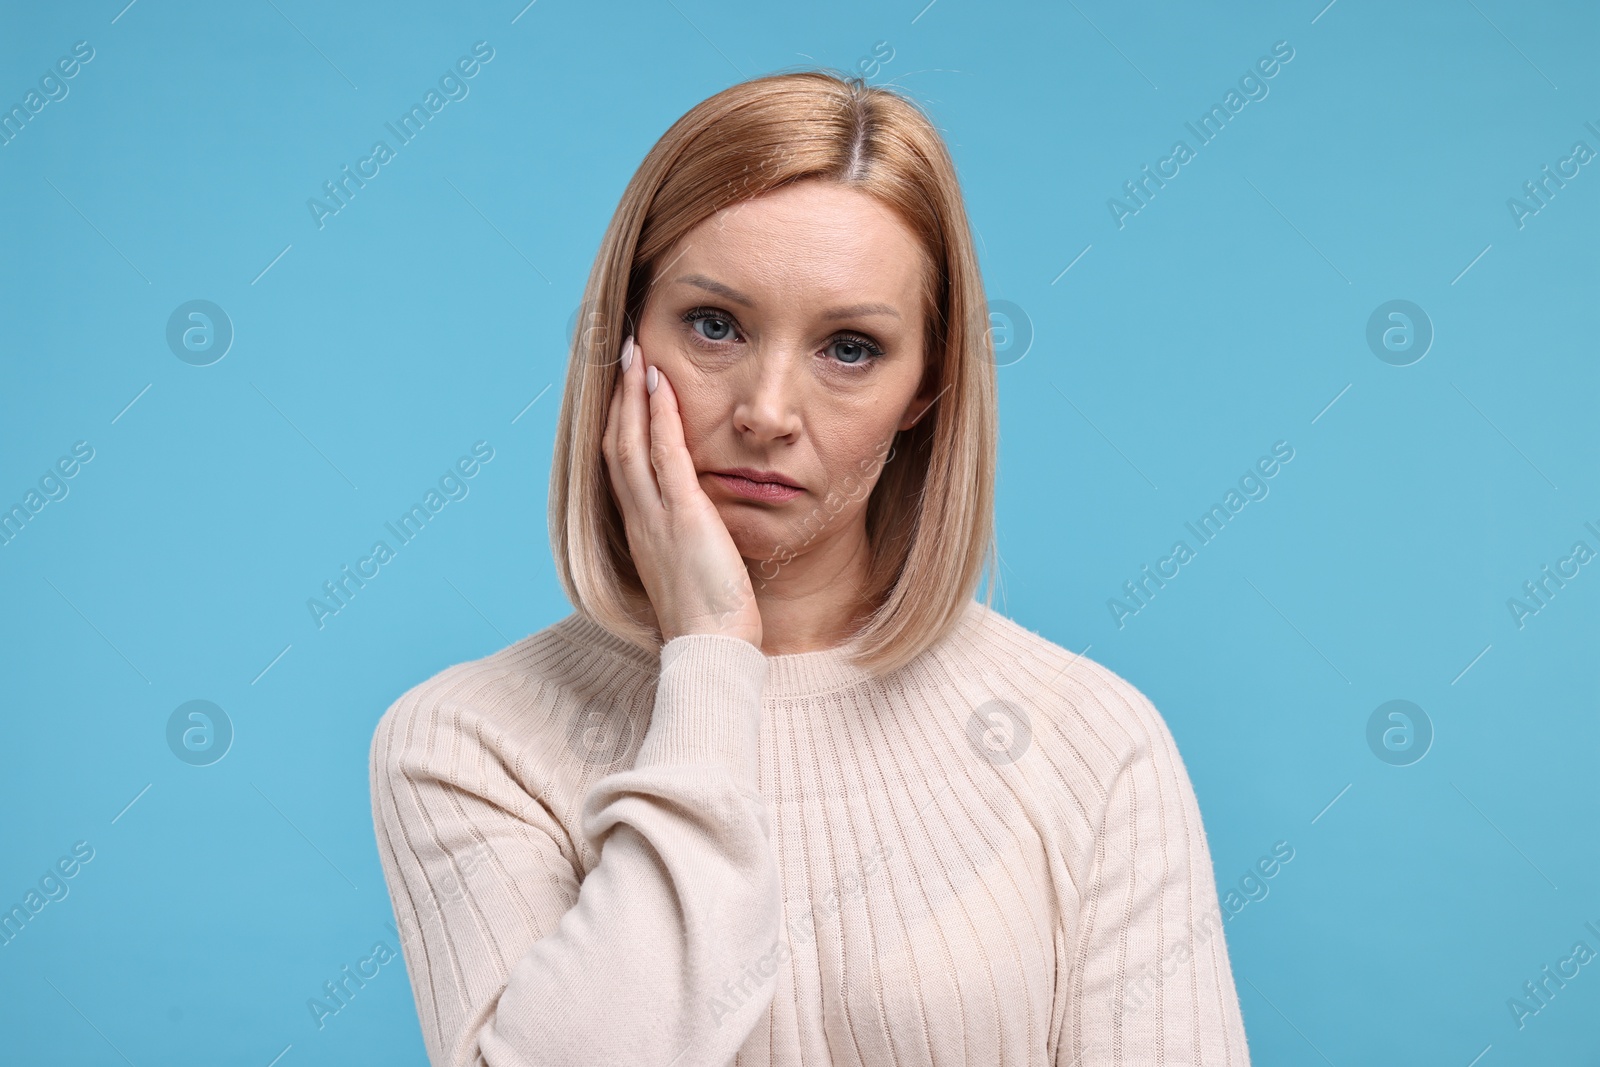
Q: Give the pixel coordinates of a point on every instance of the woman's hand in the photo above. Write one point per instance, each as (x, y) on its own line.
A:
(693, 573)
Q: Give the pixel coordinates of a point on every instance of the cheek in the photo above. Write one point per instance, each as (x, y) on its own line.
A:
(854, 451)
(699, 405)
(654, 335)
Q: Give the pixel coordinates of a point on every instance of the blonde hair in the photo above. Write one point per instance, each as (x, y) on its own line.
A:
(930, 518)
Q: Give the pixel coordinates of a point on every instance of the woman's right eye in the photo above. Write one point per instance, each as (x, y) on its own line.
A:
(717, 327)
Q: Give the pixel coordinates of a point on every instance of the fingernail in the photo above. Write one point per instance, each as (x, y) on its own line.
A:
(627, 353)
(651, 380)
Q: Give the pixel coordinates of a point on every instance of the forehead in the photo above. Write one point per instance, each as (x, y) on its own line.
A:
(808, 241)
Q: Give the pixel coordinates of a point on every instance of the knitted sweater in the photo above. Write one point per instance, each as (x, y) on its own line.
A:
(711, 856)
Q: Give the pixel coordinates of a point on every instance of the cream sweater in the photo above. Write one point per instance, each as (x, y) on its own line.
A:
(710, 856)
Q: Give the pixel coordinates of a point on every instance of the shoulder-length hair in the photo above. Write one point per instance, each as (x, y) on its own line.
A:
(930, 517)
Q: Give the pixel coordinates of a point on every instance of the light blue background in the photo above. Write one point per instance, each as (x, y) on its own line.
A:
(1228, 314)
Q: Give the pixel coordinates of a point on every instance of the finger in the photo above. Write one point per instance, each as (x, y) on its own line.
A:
(611, 438)
(633, 438)
(669, 454)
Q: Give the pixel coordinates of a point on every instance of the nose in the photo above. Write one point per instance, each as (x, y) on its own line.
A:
(769, 390)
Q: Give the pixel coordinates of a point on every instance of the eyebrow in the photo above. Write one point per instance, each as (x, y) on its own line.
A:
(737, 297)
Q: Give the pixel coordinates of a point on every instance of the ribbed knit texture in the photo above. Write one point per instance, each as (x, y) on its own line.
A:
(599, 855)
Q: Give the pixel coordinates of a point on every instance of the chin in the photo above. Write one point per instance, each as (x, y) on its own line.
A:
(754, 535)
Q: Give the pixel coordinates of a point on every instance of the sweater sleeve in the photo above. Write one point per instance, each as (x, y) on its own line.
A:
(1151, 979)
(513, 961)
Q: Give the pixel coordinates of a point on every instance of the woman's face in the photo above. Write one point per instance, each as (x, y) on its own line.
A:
(791, 327)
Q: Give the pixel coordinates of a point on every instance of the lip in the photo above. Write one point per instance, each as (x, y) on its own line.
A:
(746, 483)
(751, 474)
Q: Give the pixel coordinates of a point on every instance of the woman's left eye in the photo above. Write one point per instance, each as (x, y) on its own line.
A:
(864, 351)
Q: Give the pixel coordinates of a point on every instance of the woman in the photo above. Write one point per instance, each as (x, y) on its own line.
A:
(781, 791)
